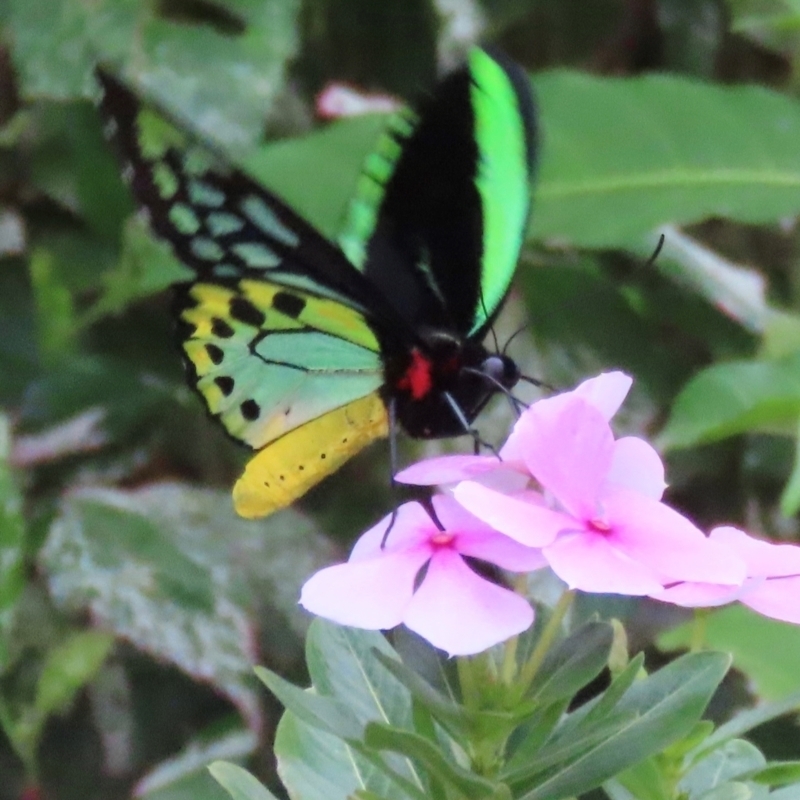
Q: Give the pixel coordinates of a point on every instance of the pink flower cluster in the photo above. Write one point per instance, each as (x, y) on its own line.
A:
(564, 494)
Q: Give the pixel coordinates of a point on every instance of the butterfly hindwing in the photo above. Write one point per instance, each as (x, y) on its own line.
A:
(267, 359)
(442, 205)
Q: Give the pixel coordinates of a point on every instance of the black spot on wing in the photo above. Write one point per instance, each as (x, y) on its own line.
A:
(250, 410)
(215, 353)
(244, 311)
(225, 383)
(221, 328)
(289, 304)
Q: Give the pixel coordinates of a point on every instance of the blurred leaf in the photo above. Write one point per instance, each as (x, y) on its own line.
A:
(12, 544)
(686, 151)
(187, 772)
(69, 667)
(735, 397)
(735, 759)
(329, 160)
(154, 567)
(778, 773)
(238, 782)
(765, 650)
(736, 290)
(55, 314)
(145, 267)
(644, 781)
(790, 496)
(12, 233)
(223, 80)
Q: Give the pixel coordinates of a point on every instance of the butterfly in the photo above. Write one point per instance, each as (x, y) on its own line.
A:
(306, 351)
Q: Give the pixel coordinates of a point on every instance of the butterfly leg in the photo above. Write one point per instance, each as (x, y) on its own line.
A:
(392, 467)
(459, 415)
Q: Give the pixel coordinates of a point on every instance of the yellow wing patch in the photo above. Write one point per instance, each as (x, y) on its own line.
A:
(287, 468)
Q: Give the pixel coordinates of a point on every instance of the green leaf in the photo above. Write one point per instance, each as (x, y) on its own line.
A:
(173, 570)
(68, 668)
(54, 308)
(790, 496)
(766, 650)
(732, 398)
(325, 713)
(12, 543)
(185, 775)
(315, 765)
(658, 710)
(222, 80)
(734, 760)
(573, 663)
(645, 781)
(238, 782)
(691, 150)
(428, 754)
(342, 665)
(778, 773)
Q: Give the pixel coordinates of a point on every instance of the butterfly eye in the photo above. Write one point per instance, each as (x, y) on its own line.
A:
(501, 369)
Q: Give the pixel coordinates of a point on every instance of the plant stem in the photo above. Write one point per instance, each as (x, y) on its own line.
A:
(531, 666)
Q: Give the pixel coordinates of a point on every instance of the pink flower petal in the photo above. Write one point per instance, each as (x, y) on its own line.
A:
(500, 550)
(528, 523)
(459, 612)
(606, 392)
(587, 561)
(698, 595)
(778, 598)
(371, 593)
(570, 454)
(412, 527)
(637, 466)
(447, 469)
(764, 559)
(652, 533)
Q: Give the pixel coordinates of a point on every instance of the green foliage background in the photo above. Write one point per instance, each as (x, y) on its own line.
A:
(133, 603)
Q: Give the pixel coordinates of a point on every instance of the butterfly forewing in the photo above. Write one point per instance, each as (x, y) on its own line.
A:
(442, 205)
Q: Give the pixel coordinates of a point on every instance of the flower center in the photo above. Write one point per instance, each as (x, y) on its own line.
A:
(441, 538)
(600, 525)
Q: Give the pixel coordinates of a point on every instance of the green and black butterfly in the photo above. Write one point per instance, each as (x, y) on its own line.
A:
(306, 351)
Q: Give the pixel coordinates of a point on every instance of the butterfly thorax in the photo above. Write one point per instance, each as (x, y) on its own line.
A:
(441, 371)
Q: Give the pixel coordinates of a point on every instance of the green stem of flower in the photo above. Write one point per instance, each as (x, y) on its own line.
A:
(508, 669)
(531, 666)
(699, 629)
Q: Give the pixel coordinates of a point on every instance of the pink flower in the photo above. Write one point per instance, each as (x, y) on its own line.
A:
(606, 392)
(772, 585)
(606, 529)
(450, 605)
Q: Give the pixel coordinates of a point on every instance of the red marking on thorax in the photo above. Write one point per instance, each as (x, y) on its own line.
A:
(417, 378)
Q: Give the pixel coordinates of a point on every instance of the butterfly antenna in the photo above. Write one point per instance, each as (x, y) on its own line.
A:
(652, 260)
(513, 336)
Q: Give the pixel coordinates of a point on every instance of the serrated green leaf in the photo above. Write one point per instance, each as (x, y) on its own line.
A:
(238, 782)
(221, 80)
(732, 398)
(173, 570)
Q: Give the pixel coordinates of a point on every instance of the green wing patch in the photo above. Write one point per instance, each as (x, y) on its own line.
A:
(266, 359)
